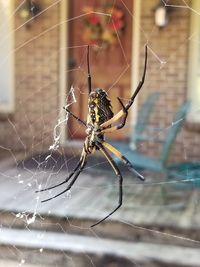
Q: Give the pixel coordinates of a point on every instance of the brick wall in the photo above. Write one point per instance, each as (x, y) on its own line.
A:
(36, 83)
(171, 45)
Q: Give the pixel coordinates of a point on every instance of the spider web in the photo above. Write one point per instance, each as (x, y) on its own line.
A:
(25, 169)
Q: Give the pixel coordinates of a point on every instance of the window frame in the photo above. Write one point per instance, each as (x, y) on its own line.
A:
(193, 85)
(9, 106)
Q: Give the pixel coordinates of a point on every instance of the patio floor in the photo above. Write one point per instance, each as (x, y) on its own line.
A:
(154, 215)
(95, 194)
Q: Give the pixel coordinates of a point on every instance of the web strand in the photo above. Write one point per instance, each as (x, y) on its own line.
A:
(31, 166)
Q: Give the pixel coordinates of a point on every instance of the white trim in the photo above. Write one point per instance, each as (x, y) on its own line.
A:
(135, 54)
(63, 59)
(10, 106)
(194, 66)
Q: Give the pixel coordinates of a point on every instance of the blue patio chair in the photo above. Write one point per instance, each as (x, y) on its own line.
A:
(185, 175)
(159, 164)
(141, 124)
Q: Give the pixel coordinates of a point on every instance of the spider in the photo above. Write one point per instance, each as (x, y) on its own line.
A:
(100, 121)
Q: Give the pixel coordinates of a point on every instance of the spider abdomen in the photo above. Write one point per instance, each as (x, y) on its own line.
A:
(100, 109)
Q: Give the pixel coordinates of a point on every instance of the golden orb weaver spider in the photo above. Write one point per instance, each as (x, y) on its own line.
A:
(100, 120)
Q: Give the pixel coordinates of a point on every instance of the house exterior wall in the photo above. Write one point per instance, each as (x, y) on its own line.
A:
(170, 79)
(36, 54)
(30, 127)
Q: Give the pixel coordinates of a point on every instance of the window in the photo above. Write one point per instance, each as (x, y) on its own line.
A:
(7, 57)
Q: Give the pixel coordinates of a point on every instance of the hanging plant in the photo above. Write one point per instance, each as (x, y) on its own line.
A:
(103, 30)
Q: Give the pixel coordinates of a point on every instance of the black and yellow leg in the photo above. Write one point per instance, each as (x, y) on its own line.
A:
(68, 178)
(75, 117)
(113, 120)
(130, 102)
(88, 67)
(121, 125)
(79, 168)
(118, 154)
(117, 172)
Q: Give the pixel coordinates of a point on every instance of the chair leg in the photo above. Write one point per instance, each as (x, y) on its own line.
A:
(169, 198)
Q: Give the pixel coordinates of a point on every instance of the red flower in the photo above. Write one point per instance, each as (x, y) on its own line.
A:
(116, 24)
(116, 12)
(93, 42)
(94, 19)
(101, 29)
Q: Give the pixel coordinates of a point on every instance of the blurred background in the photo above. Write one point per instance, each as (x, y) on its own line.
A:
(43, 69)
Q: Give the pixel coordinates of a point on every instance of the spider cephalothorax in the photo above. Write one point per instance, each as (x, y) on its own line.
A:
(101, 120)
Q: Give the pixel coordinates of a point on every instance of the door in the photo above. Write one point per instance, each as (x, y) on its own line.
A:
(110, 54)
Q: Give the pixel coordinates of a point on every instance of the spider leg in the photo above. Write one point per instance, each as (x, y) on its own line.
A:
(121, 125)
(65, 181)
(88, 67)
(75, 117)
(82, 166)
(117, 172)
(128, 105)
(124, 159)
(140, 83)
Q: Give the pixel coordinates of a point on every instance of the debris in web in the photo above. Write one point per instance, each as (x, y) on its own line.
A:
(42, 176)
(57, 132)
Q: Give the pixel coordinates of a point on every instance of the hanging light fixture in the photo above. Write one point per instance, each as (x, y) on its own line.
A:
(29, 10)
(161, 15)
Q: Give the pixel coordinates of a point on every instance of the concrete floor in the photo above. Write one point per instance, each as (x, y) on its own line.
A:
(94, 195)
(154, 203)
(8, 263)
